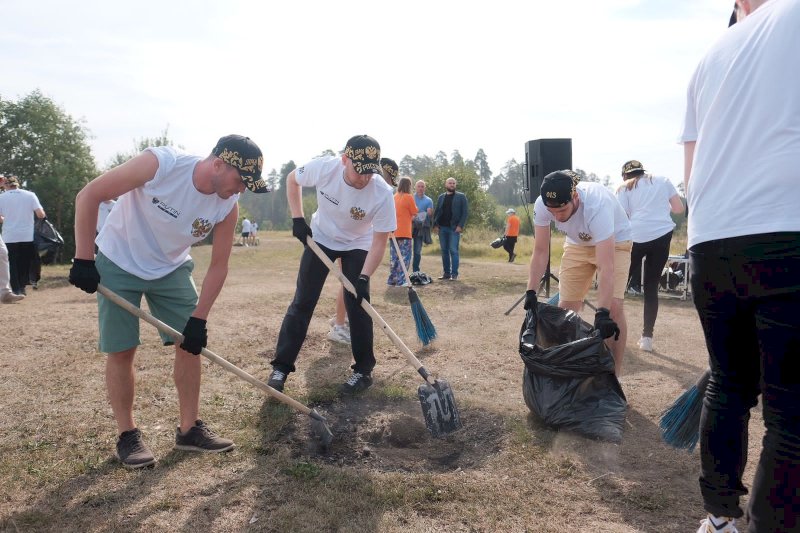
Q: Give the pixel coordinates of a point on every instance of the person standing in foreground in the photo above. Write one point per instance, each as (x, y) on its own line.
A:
(648, 201)
(598, 239)
(742, 161)
(7, 296)
(167, 202)
(421, 226)
(405, 211)
(17, 209)
(449, 219)
(511, 233)
(354, 217)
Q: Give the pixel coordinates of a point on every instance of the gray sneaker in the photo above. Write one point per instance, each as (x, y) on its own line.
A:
(277, 380)
(358, 382)
(132, 451)
(200, 438)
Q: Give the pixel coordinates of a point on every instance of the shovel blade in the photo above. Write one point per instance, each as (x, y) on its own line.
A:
(439, 408)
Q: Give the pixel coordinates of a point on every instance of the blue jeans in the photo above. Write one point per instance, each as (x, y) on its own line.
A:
(448, 242)
(747, 294)
(417, 253)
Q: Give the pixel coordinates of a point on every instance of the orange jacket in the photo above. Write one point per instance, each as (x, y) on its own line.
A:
(406, 210)
(513, 226)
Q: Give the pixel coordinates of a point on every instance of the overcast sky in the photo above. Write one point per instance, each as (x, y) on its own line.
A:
(420, 76)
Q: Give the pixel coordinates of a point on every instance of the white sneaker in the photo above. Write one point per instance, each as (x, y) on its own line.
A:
(332, 321)
(10, 298)
(340, 334)
(718, 524)
(646, 344)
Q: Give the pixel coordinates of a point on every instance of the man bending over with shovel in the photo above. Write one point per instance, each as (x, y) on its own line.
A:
(354, 217)
(598, 239)
(167, 202)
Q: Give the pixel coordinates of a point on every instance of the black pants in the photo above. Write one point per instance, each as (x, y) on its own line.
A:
(655, 254)
(747, 294)
(310, 280)
(508, 245)
(19, 264)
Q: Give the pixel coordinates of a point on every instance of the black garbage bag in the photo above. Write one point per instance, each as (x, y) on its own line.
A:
(568, 380)
(498, 242)
(47, 240)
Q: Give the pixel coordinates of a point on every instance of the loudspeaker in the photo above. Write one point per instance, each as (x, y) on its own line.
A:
(542, 157)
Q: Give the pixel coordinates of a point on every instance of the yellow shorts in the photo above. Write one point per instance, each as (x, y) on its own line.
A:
(579, 264)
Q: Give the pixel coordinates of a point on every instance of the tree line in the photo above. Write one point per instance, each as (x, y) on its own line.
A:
(49, 151)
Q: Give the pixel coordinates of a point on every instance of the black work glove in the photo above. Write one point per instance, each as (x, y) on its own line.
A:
(362, 288)
(84, 275)
(195, 335)
(531, 301)
(604, 324)
(300, 229)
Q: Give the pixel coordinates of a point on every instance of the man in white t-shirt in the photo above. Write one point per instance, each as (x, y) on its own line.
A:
(17, 210)
(7, 296)
(167, 202)
(741, 137)
(246, 228)
(598, 240)
(355, 214)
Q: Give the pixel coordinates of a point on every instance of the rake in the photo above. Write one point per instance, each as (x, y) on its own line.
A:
(426, 331)
(318, 425)
(680, 422)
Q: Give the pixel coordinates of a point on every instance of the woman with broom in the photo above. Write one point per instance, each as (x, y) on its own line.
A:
(405, 210)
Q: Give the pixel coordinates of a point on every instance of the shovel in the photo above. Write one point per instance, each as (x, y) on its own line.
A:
(318, 425)
(438, 403)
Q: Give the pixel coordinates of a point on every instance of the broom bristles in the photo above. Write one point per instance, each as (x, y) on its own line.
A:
(680, 422)
(425, 328)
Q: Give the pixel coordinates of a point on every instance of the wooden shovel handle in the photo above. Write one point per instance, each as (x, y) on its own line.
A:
(178, 338)
(409, 355)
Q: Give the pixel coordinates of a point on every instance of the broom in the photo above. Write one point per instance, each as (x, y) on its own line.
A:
(425, 328)
(680, 422)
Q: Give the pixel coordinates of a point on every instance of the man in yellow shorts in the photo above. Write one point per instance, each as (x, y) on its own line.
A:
(598, 240)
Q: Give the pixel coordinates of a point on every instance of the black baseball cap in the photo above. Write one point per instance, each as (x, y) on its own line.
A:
(558, 187)
(245, 156)
(365, 153)
(390, 170)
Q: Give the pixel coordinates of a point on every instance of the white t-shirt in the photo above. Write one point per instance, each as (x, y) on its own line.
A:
(346, 216)
(151, 228)
(254, 227)
(18, 206)
(598, 217)
(246, 226)
(647, 205)
(102, 213)
(743, 109)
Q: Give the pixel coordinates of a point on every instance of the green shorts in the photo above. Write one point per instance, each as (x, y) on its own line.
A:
(172, 299)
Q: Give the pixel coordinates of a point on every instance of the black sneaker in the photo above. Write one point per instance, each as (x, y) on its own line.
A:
(454, 278)
(511, 259)
(358, 382)
(444, 276)
(200, 438)
(277, 380)
(132, 451)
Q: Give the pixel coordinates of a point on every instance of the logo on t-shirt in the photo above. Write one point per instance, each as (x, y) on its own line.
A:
(301, 170)
(356, 213)
(171, 211)
(585, 237)
(330, 198)
(201, 227)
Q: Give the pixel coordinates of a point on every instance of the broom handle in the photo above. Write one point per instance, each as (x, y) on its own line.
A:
(224, 363)
(410, 357)
(402, 260)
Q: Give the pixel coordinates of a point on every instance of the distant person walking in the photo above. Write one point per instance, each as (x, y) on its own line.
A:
(421, 225)
(648, 201)
(511, 233)
(741, 136)
(17, 211)
(246, 228)
(7, 296)
(449, 220)
(405, 211)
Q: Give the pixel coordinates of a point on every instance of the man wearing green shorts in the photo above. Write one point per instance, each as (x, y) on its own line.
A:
(167, 202)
